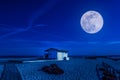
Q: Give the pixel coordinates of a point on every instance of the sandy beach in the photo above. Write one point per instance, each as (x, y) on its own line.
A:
(74, 69)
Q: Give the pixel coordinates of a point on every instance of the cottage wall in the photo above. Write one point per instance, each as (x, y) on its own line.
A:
(52, 54)
(62, 55)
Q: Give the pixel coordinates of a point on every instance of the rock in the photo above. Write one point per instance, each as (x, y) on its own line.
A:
(47, 69)
(56, 69)
(52, 69)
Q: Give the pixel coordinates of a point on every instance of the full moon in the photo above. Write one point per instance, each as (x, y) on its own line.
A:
(91, 22)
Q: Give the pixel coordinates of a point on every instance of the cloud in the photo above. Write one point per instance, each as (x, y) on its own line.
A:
(42, 10)
(11, 30)
(12, 33)
(40, 25)
(114, 42)
(93, 42)
(49, 5)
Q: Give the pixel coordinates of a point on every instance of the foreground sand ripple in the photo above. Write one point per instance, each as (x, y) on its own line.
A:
(75, 69)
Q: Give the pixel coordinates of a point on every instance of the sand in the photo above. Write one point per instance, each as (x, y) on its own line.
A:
(75, 69)
(1, 69)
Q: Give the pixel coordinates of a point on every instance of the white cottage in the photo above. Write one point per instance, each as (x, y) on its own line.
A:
(53, 53)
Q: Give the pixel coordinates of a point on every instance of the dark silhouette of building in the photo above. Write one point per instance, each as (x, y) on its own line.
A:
(56, 54)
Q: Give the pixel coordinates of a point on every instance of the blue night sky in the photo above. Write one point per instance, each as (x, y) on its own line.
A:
(28, 27)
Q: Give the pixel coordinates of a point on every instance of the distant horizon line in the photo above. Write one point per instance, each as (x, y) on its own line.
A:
(24, 56)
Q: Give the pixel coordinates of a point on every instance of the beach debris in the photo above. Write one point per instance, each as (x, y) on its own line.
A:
(15, 61)
(52, 69)
(95, 57)
(107, 72)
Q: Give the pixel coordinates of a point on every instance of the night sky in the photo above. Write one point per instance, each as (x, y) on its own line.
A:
(28, 27)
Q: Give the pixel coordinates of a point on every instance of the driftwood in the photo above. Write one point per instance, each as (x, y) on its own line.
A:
(107, 72)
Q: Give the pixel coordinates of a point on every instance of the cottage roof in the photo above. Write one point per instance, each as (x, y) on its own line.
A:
(55, 50)
(62, 51)
(51, 49)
